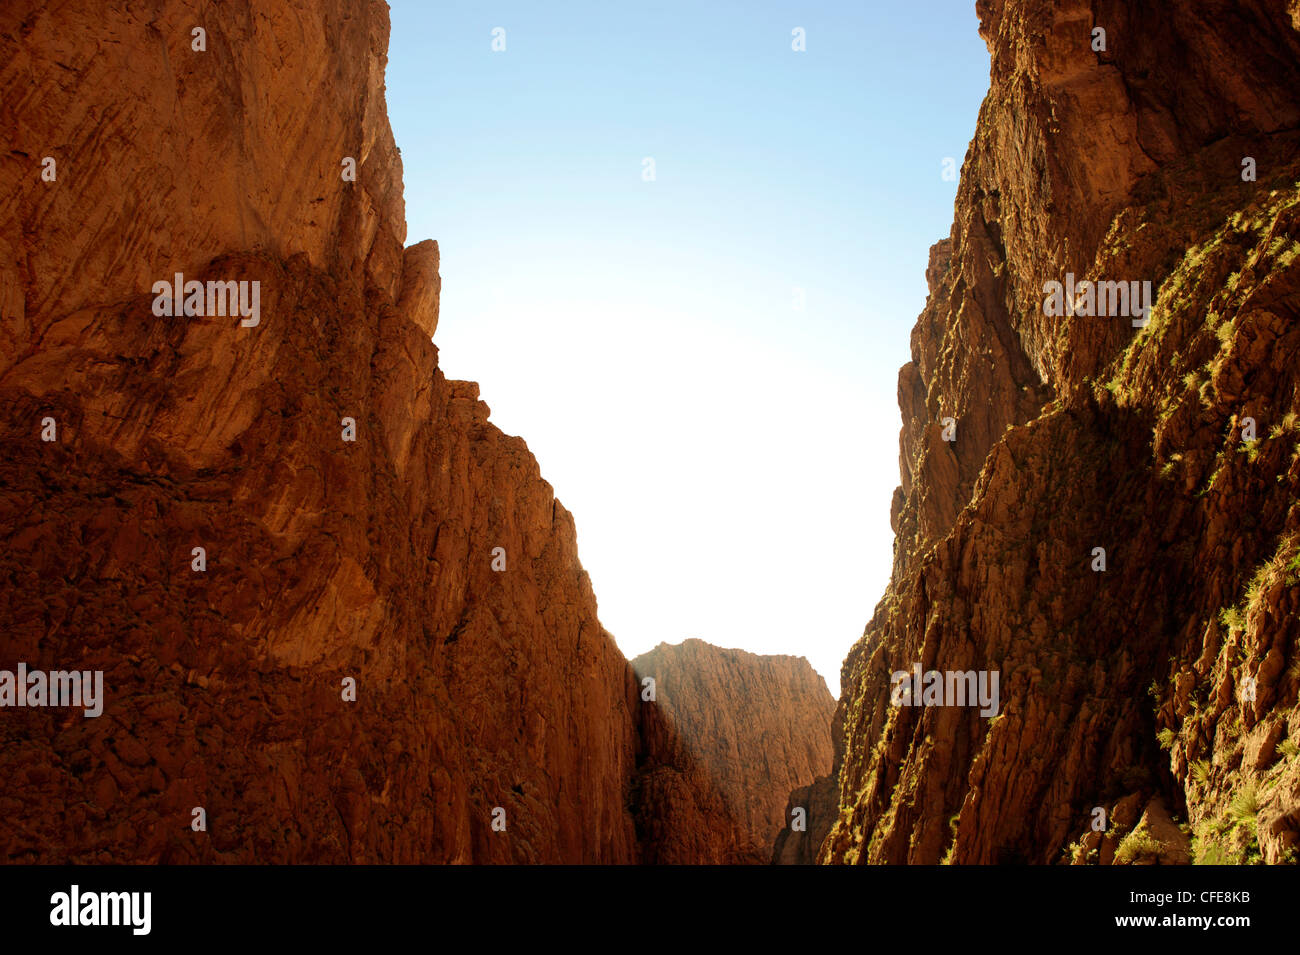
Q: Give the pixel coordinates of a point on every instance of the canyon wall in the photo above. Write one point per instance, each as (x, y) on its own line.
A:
(755, 726)
(340, 616)
(1102, 514)
(348, 498)
(343, 615)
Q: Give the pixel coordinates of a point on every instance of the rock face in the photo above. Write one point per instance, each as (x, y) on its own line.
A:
(819, 800)
(755, 727)
(329, 555)
(335, 609)
(1161, 690)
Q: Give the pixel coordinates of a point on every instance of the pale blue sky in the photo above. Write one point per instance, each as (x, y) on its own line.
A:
(728, 456)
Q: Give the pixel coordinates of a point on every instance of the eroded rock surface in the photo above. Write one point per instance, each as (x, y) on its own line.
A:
(1169, 679)
(753, 726)
(360, 521)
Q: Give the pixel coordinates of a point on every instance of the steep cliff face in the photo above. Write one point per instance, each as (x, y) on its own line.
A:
(752, 727)
(335, 609)
(1161, 689)
(348, 498)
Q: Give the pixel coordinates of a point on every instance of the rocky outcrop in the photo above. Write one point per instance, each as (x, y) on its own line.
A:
(752, 727)
(1101, 514)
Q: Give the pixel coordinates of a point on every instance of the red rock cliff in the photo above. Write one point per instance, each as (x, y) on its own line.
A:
(326, 558)
(754, 727)
(1163, 688)
(334, 607)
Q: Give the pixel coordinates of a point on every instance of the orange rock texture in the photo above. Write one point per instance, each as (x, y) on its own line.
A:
(755, 727)
(335, 608)
(1161, 690)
